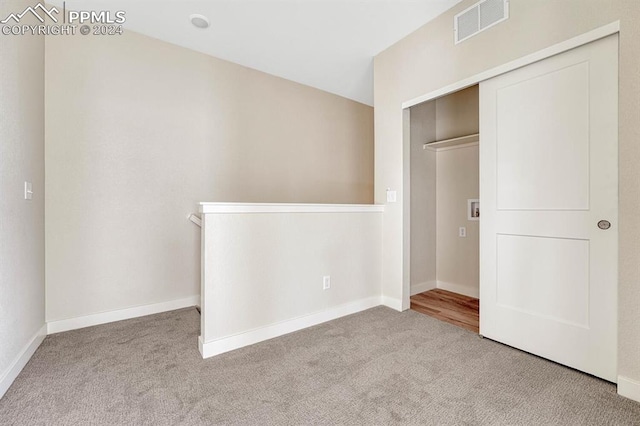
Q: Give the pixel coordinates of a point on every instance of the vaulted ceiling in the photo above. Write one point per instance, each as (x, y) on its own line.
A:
(327, 44)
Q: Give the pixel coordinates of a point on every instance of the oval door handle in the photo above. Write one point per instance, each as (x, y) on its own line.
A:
(604, 224)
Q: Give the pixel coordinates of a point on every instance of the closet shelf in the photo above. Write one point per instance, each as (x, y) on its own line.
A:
(453, 142)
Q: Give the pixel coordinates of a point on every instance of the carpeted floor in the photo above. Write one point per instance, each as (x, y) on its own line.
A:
(375, 367)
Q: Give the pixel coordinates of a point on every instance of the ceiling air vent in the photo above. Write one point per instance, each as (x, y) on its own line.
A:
(479, 17)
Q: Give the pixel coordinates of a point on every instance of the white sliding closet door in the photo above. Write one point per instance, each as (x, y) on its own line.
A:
(548, 188)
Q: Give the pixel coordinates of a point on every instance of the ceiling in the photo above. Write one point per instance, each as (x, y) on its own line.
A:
(327, 44)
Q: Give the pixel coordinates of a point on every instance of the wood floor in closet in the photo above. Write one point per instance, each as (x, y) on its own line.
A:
(456, 309)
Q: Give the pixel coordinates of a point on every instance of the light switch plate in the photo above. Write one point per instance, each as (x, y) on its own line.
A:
(391, 196)
(28, 191)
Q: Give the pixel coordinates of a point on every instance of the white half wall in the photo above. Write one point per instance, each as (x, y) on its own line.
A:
(263, 272)
(22, 265)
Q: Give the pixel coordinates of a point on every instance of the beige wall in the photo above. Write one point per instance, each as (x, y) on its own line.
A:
(423, 197)
(138, 131)
(458, 114)
(428, 60)
(22, 290)
(458, 260)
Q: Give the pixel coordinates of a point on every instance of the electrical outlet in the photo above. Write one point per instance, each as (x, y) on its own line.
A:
(462, 232)
(326, 282)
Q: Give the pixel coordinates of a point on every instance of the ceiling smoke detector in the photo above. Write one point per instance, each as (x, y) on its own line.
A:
(199, 21)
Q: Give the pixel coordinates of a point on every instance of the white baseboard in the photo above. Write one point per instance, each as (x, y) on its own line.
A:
(460, 289)
(120, 314)
(226, 344)
(392, 302)
(21, 360)
(422, 287)
(629, 388)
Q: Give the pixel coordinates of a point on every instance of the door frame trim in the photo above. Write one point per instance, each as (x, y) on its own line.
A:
(564, 46)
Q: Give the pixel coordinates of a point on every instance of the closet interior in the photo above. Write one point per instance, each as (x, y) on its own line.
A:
(445, 208)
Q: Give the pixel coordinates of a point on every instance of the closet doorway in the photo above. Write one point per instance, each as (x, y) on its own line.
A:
(549, 204)
(445, 208)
